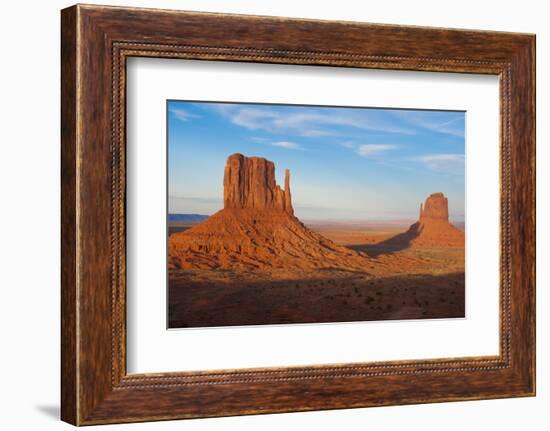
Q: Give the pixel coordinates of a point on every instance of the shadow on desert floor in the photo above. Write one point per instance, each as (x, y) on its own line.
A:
(391, 245)
(329, 299)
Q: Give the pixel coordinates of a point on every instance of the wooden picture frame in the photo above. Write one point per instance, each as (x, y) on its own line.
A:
(95, 43)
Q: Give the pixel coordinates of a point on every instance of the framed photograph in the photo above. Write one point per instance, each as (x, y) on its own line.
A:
(346, 242)
(263, 214)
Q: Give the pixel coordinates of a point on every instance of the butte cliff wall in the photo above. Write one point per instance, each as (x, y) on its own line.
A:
(249, 182)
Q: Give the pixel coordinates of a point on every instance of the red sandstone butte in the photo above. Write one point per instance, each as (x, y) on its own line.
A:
(433, 228)
(249, 182)
(436, 208)
(257, 229)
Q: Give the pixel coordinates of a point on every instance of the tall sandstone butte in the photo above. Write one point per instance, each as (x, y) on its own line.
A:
(436, 208)
(257, 230)
(433, 228)
(249, 182)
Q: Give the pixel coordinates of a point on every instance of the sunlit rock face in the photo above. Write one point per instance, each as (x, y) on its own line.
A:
(436, 207)
(249, 182)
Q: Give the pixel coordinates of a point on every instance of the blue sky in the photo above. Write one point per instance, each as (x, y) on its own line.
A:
(345, 163)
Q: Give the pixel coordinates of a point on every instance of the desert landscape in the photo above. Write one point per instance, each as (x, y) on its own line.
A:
(254, 262)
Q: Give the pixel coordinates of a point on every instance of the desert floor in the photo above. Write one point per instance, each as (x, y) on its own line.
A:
(408, 284)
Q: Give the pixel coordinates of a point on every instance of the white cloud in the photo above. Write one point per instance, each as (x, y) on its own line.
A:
(281, 144)
(314, 133)
(368, 150)
(182, 114)
(288, 145)
(252, 118)
(259, 139)
(446, 163)
(453, 127)
(313, 123)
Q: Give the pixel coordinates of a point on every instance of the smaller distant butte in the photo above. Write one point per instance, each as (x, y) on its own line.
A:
(433, 228)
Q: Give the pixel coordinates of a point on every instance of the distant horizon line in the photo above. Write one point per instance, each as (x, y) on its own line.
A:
(333, 220)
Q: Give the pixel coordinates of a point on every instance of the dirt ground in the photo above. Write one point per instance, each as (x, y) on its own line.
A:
(409, 283)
